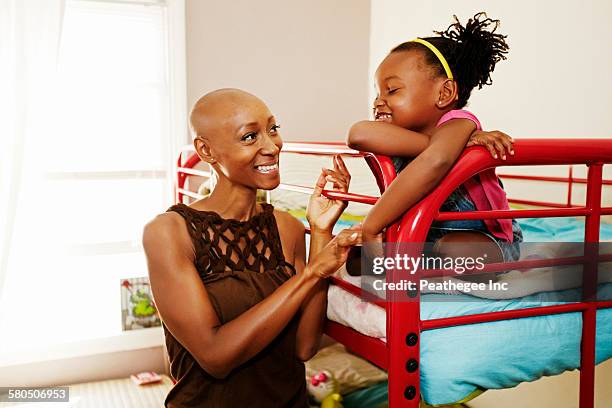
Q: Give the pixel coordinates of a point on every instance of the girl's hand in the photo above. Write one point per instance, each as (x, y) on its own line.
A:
(334, 254)
(372, 243)
(370, 237)
(371, 247)
(322, 213)
(498, 143)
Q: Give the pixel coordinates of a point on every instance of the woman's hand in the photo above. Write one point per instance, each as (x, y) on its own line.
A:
(498, 143)
(334, 254)
(322, 213)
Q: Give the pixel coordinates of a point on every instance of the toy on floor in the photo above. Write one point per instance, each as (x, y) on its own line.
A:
(147, 377)
(324, 388)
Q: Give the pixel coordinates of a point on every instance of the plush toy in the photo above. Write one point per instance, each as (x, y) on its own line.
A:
(332, 401)
(324, 388)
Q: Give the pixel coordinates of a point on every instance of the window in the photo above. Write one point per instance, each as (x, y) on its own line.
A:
(105, 162)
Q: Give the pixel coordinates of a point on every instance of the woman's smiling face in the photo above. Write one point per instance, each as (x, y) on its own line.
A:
(406, 89)
(240, 135)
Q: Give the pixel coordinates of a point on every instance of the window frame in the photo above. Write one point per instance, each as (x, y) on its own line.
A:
(101, 353)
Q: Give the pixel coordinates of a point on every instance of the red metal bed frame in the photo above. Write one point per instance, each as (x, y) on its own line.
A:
(400, 354)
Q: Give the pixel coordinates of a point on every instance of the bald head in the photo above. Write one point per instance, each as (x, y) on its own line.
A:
(236, 135)
(221, 109)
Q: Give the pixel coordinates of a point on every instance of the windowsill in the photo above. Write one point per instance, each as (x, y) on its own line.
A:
(126, 341)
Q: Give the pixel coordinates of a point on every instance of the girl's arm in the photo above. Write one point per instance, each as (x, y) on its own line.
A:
(391, 140)
(186, 309)
(419, 177)
(386, 138)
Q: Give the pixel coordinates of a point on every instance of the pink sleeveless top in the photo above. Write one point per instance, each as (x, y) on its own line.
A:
(484, 189)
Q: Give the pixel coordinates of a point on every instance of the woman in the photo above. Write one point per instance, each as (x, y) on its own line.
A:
(241, 308)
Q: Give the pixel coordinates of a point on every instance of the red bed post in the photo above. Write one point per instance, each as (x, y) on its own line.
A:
(403, 310)
(589, 288)
(403, 339)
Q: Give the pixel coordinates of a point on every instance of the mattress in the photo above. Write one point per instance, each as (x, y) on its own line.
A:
(493, 355)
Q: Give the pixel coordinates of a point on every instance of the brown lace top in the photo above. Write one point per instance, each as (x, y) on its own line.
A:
(240, 263)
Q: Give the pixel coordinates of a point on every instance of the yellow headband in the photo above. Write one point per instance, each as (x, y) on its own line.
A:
(433, 49)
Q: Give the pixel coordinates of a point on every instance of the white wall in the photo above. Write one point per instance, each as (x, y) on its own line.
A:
(554, 83)
(307, 59)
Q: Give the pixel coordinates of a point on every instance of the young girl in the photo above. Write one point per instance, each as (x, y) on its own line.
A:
(422, 87)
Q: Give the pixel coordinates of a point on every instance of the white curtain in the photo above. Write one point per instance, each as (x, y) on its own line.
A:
(30, 33)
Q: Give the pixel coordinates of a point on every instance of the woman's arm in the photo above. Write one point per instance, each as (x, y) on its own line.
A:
(186, 310)
(322, 214)
(314, 307)
(419, 177)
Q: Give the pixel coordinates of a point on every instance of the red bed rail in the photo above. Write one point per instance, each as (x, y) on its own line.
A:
(400, 354)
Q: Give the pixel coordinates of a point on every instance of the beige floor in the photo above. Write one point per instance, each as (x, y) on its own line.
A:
(120, 393)
(560, 391)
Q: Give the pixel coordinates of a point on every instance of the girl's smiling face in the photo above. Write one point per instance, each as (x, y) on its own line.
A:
(407, 91)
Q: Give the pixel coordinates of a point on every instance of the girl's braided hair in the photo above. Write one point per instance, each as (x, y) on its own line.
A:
(471, 52)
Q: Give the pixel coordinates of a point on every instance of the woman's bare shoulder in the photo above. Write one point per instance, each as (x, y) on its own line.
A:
(165, 229)
(292, 233)
(288, 224)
